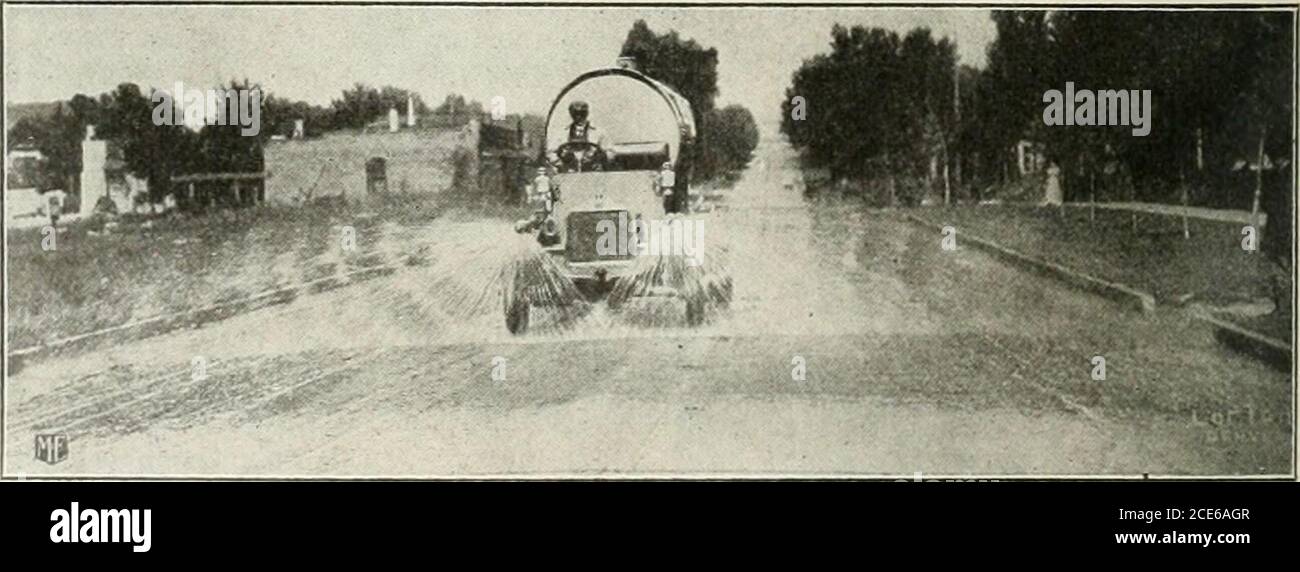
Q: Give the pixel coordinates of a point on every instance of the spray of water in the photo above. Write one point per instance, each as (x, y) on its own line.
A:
(703, 282)
(539, 278)
(455, 274)
(480, 265)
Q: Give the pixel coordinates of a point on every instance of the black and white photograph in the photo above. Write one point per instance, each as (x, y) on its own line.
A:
(648, 242)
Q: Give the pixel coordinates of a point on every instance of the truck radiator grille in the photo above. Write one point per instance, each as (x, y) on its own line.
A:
(583, 234)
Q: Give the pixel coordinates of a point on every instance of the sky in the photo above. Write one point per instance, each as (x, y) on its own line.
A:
(525, 55)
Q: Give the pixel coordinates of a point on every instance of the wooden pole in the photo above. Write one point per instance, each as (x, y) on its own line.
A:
(1132, 193)
(893, 194)
(1092, 196)
(1060, 208)
(1200, 150)
(947, 190)
(1259, 181)
(1187, 233)
(954, 131)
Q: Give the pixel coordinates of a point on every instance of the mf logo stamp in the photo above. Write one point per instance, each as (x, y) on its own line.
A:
(52, 447)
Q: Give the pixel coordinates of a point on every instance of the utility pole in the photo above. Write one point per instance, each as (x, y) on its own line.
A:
(1092, 195)
(1182, 183)
(956, 132)
(1259, 179)
(1200, 150)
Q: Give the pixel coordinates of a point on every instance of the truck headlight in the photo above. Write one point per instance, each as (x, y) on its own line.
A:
(550, 226)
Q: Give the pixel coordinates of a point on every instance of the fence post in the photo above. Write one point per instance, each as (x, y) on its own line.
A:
(1259, 181)
(1182, 183)
(1092, 196)
(1132, 193)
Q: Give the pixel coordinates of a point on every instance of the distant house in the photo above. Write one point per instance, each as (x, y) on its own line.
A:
(22, 178)
(1030, 157)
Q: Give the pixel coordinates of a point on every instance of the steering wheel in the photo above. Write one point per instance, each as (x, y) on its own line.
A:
(578, 156)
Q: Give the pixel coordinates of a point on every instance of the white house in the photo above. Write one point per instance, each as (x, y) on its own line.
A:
(22, 168)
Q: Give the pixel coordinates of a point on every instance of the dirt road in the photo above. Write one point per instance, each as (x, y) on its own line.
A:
(915, 359)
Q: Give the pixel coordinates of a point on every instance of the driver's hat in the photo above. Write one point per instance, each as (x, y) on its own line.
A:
(578, 110)
(541, 170)
(668, 165)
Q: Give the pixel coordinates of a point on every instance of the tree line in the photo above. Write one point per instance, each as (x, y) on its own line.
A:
(155, 152)
(878, 109)
(900, 118)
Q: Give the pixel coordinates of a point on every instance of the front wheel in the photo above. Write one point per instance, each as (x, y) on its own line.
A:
(694, 311)
(516, 307)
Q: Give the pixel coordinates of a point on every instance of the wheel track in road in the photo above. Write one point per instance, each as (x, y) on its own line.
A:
(372, 396)
(1065, 400)
(179, 392)
(349, 363)
(37, 415)
(159, 385)
(297, 306)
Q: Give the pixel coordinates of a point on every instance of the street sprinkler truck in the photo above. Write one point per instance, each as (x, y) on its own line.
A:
(617, 159)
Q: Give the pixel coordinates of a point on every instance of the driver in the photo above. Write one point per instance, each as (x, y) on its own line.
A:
(582, 131)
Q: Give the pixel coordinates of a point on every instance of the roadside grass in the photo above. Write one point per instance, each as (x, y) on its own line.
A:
(1210, 266)
(98, 277)
(1164, 367)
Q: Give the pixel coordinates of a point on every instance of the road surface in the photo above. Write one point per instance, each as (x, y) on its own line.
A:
(914, 360)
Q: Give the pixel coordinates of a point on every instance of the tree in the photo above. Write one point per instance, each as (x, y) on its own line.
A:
(396, 98)
(686, 66)
(279, 116)
(1020, 68)
(151, 152)
(1215, 87)
(733, 136)
(357, 107)
(363, 104)
(456, 110)
(225, 148)
(929, 72)
(877, 108)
